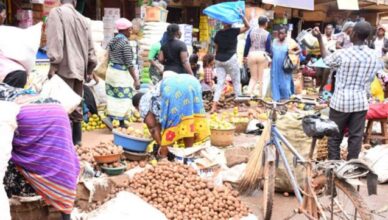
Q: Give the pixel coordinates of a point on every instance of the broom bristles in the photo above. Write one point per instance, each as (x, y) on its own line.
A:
(251, 179)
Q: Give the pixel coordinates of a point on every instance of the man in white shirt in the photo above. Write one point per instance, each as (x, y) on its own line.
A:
(328, 38)
(380, 42)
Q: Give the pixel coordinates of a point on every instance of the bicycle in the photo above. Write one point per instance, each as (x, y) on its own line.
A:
(314, 203)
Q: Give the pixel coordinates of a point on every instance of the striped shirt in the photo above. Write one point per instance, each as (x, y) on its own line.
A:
(356, 68)
(120, 51)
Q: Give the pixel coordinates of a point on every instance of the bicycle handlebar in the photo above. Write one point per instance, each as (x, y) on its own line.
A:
(273, 104)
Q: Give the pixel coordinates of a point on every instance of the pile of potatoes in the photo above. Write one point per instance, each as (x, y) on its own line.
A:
(86, 154)
(104, 149)
(178, 192)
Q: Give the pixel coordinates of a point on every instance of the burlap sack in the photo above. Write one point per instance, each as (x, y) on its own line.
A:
(236, 155)
(290, 125)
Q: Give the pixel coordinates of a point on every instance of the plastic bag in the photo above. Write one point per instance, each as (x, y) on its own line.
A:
(57, 89)
(376, 90)
(314, 126)
(99, 92)
(245, 76)
(227, 12)
(377, 111)
(21, 45)
(8, 113)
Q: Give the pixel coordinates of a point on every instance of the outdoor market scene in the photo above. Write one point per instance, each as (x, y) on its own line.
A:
(193, 110)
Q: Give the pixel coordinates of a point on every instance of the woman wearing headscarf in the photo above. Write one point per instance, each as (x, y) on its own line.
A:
(256, 54)
(173, 111)
(42, 150)
(281, 81)
(173, 54)
(120, 84)
(156, 69)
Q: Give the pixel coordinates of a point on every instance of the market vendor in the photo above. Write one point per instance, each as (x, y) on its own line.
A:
(42, 150)
(174, 111)
(121, 79)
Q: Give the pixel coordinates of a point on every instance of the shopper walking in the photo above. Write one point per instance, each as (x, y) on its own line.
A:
(71, 53)
(256, 54)
(356, 67)
(174, 55)
(226, 59)
(380, 42)
(281, 81)
(121, 79)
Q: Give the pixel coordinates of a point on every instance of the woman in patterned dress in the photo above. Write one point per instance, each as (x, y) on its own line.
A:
(119, 83)
(174, 111)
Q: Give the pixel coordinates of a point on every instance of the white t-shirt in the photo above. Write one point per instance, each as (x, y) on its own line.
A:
(379, 45)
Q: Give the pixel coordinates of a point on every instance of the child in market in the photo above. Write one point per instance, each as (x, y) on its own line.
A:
(208, 78)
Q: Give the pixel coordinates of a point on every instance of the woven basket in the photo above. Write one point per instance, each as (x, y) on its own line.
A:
(222, 138)
(322, 149)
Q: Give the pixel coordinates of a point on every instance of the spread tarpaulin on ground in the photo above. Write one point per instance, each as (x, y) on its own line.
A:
(20, 45)
(227, 12)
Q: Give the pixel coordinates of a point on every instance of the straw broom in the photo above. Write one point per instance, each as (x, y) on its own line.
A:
(251, 178)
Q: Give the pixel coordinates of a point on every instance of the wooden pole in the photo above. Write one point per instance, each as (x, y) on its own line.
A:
(98, 10)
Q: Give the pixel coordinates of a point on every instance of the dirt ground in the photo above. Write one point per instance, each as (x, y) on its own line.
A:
(283, 206)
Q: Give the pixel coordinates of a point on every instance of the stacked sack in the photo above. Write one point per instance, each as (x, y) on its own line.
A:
(152, 33)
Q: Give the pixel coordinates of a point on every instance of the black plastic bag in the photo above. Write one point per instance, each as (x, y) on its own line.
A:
(288, 66)
(245, 75)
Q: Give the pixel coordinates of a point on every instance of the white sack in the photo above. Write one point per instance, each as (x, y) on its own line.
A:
(377, 158)
(57, 89)
(99, 92)
(8, 113)
(126, 206)
(21, 45)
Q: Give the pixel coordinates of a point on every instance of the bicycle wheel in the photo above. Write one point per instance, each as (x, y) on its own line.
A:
(347, 204)
(268, 188)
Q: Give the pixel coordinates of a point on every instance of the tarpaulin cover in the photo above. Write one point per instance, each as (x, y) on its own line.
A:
(302, 4)
(227, 12)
